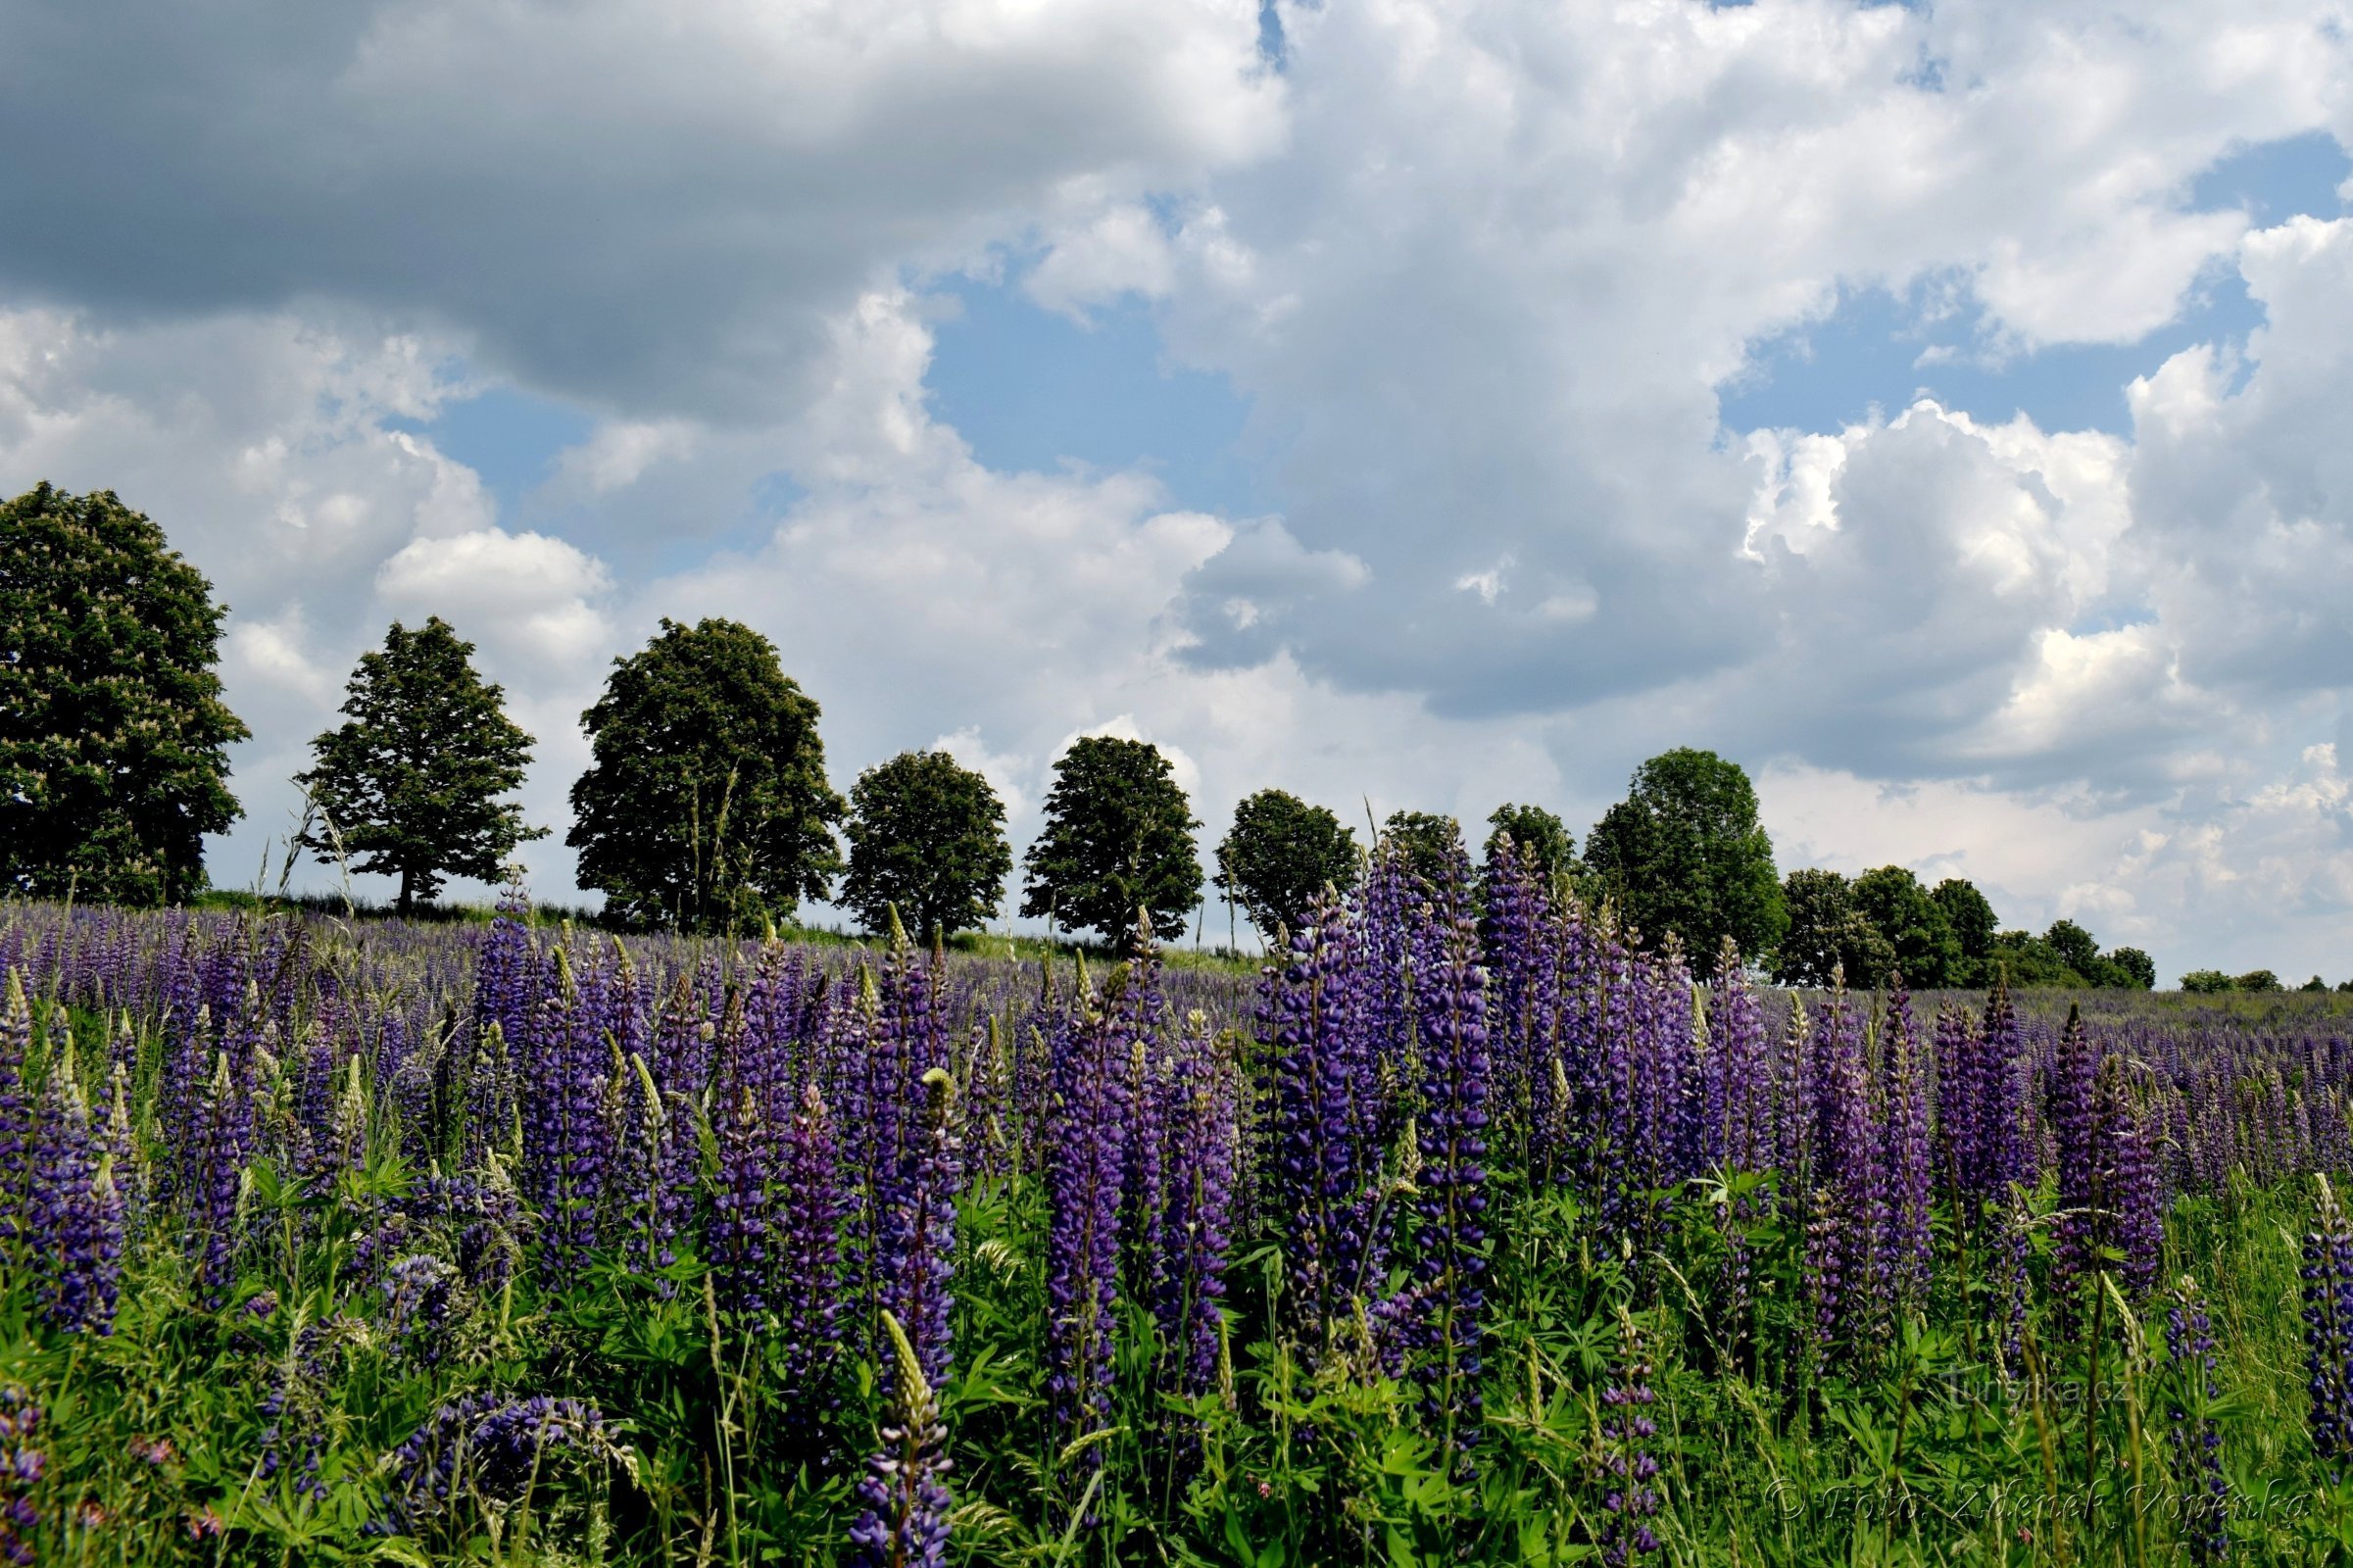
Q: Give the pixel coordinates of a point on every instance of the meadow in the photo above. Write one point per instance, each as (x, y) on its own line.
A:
(1469, 1231)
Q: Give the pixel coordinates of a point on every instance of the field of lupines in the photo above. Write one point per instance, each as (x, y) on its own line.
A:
(1466, 1234)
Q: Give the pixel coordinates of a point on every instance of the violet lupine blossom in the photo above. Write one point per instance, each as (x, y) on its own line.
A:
(1523, 1008)
(76, 1215)
(737, 1239)
(1628, 1469)
(2195, 1440)
(1198, 1125)
(1324, 1167)
(417, 1306)
(1910, 1244)
(1741, 1108)
(566, 1077)
(1084, 1179)
(16, 1111)
(485, 1445)
(22, 1466)
(2329, 1328)
(664, 1174)
(2075, 1135)
(2131, 1196)
(1849, 1163)
(1450, 1255)
(904, 1520)
(809, 1275)
(222, 1141)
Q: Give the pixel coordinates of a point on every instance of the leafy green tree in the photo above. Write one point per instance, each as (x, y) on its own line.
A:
(1541, 841)
(410, 783)
(114, 740)
(2257, 980)
(1280, 854)
(2134, 970)
(2205, 982)
(2030, 960)
(2315, 984)
(1972, 924)
(1425, 839)
(704, 806)
(927, 838)
(1684, 853)
(1117, 841)
(1927, 953)
(2075, 947)
(1827, 935)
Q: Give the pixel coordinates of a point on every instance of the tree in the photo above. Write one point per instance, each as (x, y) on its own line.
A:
(1972, 924)
(1543, 842)
(1827, 937)
(926, 837)
(704, 806)
(1280, 854)
(410, 783)
(1684, 853)
(114, 740)
(2205, 982)
(2030, 960)
(2135, 970)
(2075, 947)
(1425, 839)
(1927, 953)
(1117, 841)
(2315, 984)
(2257, 980)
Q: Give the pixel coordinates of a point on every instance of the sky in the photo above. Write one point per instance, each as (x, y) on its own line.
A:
(1938, 409)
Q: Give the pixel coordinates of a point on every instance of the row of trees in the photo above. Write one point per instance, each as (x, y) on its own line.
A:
(707, 806)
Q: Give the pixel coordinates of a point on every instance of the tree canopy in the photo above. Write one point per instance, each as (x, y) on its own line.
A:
(1684, 853)
(1426, 840)
(1924, 949)
(1827, 935)
(114, 740)
(706, 805)
(1973, 923)
(1117, 841)
(1541, 841)
(408, 784)
(1279, 855)
(926, 837)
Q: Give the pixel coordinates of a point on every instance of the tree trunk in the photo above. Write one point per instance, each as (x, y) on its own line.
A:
(405, 900)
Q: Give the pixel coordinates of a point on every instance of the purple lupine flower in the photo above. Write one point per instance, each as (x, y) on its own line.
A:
(2076, 1133)
(2194, 1439)
(2329, 1328)
(76, 1215)
(1135, 996)
(221, 1141)
(1849, 1161)
(567, 1080)
(1323, 1168)
(484, 1445)
(903, 1521)
(1741, 1109)
(1628, 1469)
(1085, 1166)
(809, 1275)
(1450, 1255)
(2131, 1196)
(416, 1306)
(1523, 1011)
(22, 1466)
(737, 1239)
(1910, 1244)
(16, 1111)
(1197, 1121)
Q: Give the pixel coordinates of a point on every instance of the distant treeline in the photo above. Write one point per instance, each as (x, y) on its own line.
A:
(707, 807)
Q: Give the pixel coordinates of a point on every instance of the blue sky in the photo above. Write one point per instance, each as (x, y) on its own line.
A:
(1431, 404)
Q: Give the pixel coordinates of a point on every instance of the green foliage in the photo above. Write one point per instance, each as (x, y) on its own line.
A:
(2030, 960)
(2315, 984)
(1972, 924)
(1117, 841)
(114, 740)
(410, 783)
(1926, 952)
(1543, 842)
(2133, 968)
(1426, 840)
(1684, 853)
(2206, 982)
(1279, 855)
(1828, 937)
(926, 837)
(2257, 981)
(2075, 947)
(706, 805)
